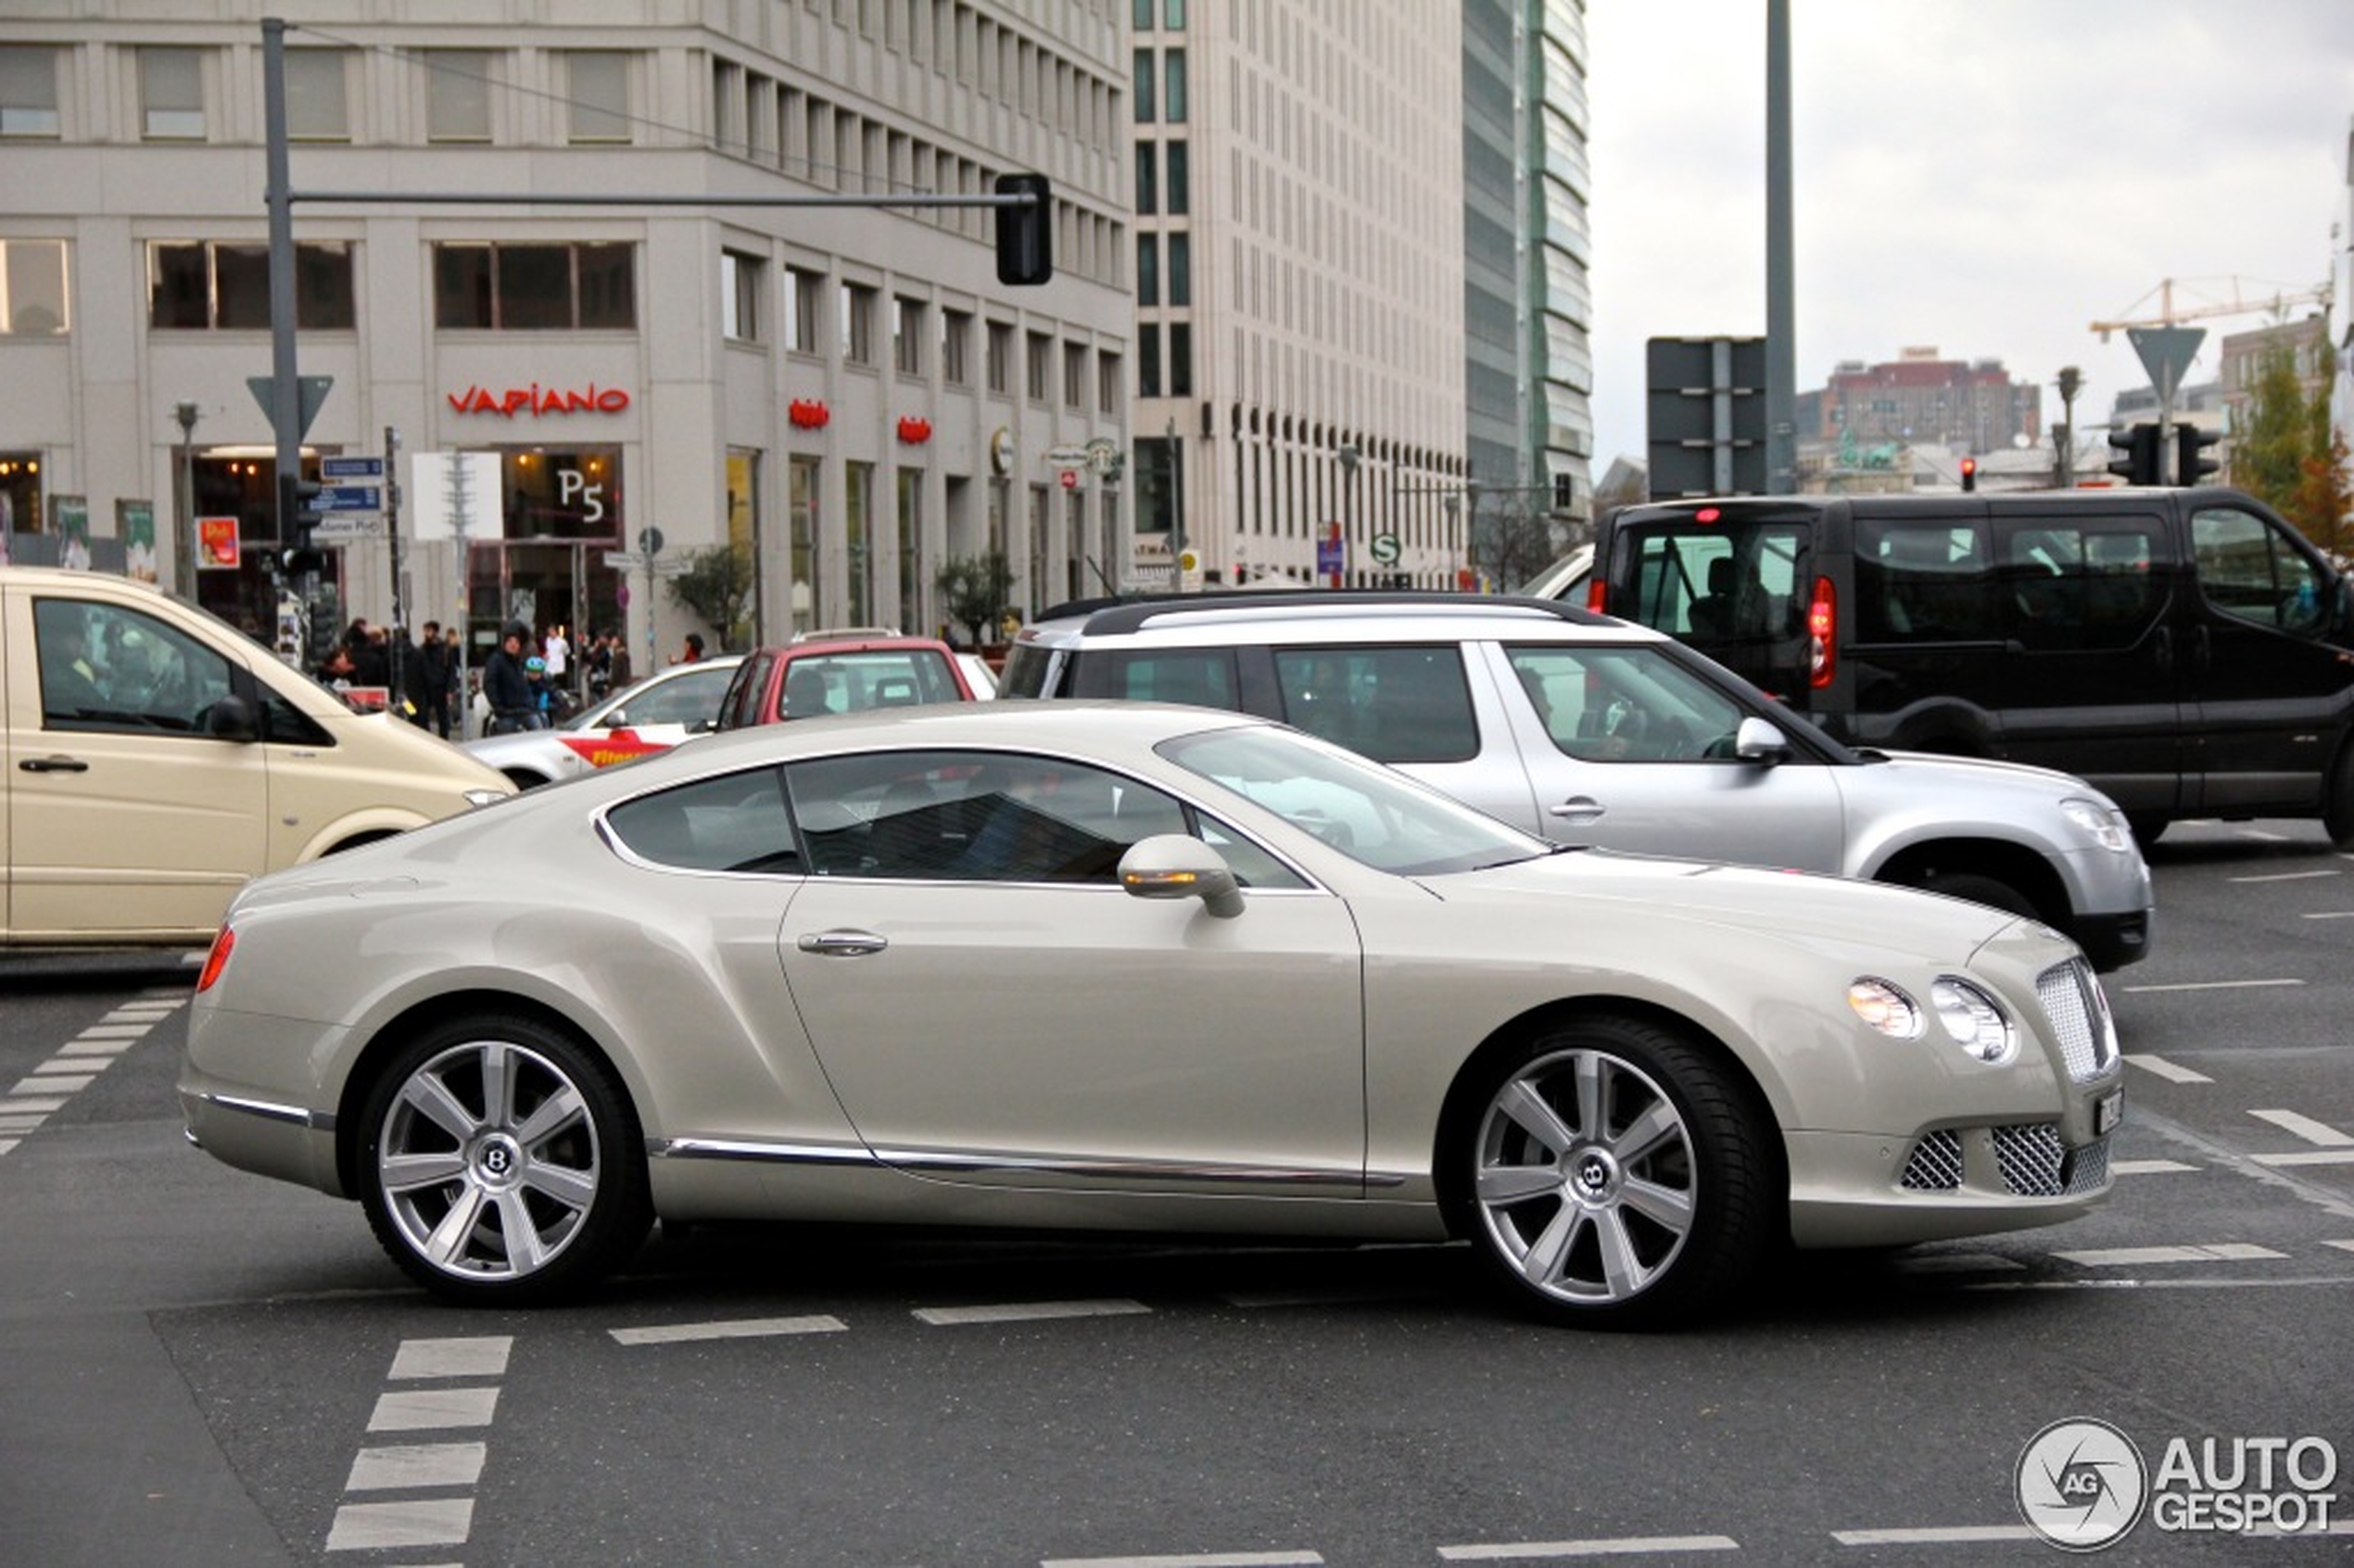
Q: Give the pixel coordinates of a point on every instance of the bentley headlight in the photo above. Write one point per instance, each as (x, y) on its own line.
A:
(1974, 1020)
(1885, 1008)
(2104, 825)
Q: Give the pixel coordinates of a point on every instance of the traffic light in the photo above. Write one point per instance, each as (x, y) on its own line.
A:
(1970, 474)
(297, 510)
(1025, 231)
(2190, 468)
(2139, 466)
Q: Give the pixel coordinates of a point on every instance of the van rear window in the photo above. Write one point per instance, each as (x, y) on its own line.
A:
(1716, 583)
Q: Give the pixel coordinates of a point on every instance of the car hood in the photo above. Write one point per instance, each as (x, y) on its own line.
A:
(1815, 911)
(1920, 768)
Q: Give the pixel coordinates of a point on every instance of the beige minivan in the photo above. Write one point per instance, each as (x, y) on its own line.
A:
(156, 759)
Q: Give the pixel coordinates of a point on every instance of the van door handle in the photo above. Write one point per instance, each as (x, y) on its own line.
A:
(1578, 808)
(54, 764)
(841, 944)
(2202, 652)
(2165, 649)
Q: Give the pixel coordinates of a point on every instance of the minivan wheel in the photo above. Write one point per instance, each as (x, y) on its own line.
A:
(500, 1163)
(1979, 889)
(1612, 1175)
(2147, 831)
(2337, 813)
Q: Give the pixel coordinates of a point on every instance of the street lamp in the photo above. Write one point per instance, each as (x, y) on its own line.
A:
(1350, 457)
(183, 555)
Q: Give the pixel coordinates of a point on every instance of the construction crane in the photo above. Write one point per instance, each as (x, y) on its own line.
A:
(2239, 303)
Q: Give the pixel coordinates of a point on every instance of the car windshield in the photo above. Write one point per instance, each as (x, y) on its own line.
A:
(1381, 819)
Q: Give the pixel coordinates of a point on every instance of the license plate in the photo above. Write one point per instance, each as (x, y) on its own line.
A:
(2107, 1111)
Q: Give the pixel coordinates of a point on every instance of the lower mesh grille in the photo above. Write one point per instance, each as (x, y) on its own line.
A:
(2032, 1160)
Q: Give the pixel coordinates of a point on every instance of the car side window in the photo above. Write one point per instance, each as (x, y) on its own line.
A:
(740, 706)
(1625, 704)
(736, 822)
(1202, 677)
(2250, 572)
(687, 699)
(1926, 581)
(989, 816)
(106, 667)
(2072, 587)
(1396, 704)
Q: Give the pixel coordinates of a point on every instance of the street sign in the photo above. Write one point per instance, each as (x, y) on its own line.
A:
(1070, 479)
(649, 540)
(348, 498)
(310, 392)
(333, 468)
(624, 559)
(1385, 550)
(345, 527)
(2166, 353)
(1065, 456)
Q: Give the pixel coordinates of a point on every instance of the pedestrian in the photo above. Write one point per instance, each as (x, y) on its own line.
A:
(506, 686)
(617, 664)
(435, 664)
(556, 648)
(415, 698)
(693, 651)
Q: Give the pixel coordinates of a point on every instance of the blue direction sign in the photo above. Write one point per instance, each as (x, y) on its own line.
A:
(352, 468)
(348, 498)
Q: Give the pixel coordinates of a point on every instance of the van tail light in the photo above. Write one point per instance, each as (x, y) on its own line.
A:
(1822, 635)
(216, 960)
(1598, 595)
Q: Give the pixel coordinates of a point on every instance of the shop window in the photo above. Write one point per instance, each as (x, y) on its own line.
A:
(199, 285)
(535, 287)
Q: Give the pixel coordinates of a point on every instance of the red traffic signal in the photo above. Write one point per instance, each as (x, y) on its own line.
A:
(1970, 474)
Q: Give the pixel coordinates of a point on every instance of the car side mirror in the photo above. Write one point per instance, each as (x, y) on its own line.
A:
(1177, 865)
(1761, 741)
(232, 718)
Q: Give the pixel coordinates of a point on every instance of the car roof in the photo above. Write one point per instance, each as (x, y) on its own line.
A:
(1323, 614)
(821, 642)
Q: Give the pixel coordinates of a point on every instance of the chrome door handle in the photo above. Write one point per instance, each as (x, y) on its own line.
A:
(1578, 808)
(54, 764)
(841, 944)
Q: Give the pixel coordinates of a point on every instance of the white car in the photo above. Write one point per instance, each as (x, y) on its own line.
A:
(1129, 967)
(646, 716)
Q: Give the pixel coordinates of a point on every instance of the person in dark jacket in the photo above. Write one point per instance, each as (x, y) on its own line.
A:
(506, 687)
(433, 662)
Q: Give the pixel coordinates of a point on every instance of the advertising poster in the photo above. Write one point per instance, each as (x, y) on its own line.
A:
(135, 525)
(216, 544)
(69, 520)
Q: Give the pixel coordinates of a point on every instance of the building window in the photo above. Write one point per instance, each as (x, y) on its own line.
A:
(1175, 12)
(1179, 195)
(1074, 375)
(32, 288)
(1143, 17)
(1148, 359)
(1147, 168)
(1001, 354)
(1035, 366)
(907, 337)
(956, 339)
(1148, 269)
(201, 285)
(1172, 104)
(171, 95)
(801, 502)
(535, 287)
(1180, 268)
(316, 109)
(598, 83)
(1181, 359)
(457, 95)
(859, 537)
(28, 92)
(1141, 80)
(804, 289)
(858, 324)
(740, 278)
(1109, 390)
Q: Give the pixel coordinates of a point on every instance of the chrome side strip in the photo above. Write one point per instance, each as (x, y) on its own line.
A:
(935, 1162)
(270, 1110)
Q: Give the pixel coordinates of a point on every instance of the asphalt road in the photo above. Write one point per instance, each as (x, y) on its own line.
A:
(200, 1367)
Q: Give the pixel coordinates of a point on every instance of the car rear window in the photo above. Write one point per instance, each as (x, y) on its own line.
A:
(736, 822)
(880, 677)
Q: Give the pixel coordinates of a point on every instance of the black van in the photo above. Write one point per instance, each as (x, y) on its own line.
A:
(2184, 650)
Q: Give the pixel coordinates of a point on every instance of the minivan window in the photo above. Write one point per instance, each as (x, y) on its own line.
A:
(1399, 704)
(105, 667)
(2248, 571)
(2080, 587)
(1726, 581)
(1924, 582)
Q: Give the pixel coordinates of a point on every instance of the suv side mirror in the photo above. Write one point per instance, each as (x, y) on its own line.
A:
(1760, 740)
(1177, 865)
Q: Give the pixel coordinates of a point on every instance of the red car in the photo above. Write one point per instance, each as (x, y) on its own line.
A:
(841, 672)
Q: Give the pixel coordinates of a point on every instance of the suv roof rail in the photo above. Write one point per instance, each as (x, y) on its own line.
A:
(1131, 612)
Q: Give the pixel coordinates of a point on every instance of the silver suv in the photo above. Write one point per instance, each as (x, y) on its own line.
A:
(1594, 731)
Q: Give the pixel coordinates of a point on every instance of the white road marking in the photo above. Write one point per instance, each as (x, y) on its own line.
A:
(477, 1356)
(1194, 1560)
(1025, 1311)
(416, 1523)
(2310, 1157)
(1953, 1536)
(409, 1465)
(2126, 1256)
(2328, 914)
(2216, 985)
(2305, 1127)
(2285, 876)
(2151, 1062)
(117, 1031)
(17, 1105)
(2342, 1245)
(2148, 1167)
(424, 1409)
(741, 1328)
(53, 1082)
(1537, 1552)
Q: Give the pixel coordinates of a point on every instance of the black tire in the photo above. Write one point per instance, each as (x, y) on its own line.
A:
(1977, 889)
(522, 1136)
(2337, 811)
(1612, 1174)
(2147, 830)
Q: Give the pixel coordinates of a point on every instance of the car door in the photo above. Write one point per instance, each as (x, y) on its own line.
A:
(125, 817)
(991, 1008)
(1629, 749)
(2270, 696)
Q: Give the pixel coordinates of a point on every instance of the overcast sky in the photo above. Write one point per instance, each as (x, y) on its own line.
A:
(1985, 177)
